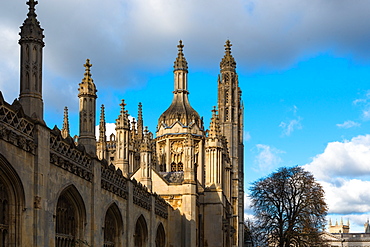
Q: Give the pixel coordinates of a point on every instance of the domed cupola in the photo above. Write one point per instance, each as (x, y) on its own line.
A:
(180, 110)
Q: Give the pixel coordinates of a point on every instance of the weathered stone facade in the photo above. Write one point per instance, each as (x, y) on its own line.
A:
(183, 187)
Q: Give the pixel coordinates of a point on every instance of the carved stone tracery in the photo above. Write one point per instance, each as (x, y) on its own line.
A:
(112, 180)
(161, 207)
(16, 129)
(65, 233)
(68, 157)
(142, 197)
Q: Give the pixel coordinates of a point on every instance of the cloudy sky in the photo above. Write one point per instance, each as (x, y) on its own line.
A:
(304, 68)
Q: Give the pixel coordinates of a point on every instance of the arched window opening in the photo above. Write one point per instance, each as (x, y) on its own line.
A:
(112, 227)
(160, 239)
(65, 223)
(173, 167)
(11, 205)
(180, 167)
(141, 233)
(4, 215)
(70, 218)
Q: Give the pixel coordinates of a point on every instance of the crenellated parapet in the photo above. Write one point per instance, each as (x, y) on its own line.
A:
(66, 155)
(113, 181)
(161, 206)
(15, 127)
(141, 195)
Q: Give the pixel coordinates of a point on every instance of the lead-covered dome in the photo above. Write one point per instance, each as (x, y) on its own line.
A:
(180, 109)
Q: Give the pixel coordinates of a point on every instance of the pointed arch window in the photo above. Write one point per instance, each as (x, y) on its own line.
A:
(141, 233)
(160, 239)
(173, 167)
(11, 205)
(112, 227)
(70, 215)
(4, 215)
(65, 223)
(180, 167)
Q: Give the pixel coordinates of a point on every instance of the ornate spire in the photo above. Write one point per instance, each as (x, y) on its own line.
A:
(145, 145)
(87, 85)
(133, 129)
(140, 121)
(102, 127)
(180, 63)
(214, 128)
(122, 121)
(31, 29)
(228, 61)
(87, 74)
(65, 129)
(31, 42)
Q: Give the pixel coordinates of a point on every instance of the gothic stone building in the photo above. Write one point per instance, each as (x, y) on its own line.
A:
(183, 187)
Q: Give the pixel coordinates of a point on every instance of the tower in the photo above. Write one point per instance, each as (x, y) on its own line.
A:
(180, 145)
(31, 43)
(122, 138)
(231, 123)
(213, 147)
(146, 160)
(140, 122)
(102, 142)
(178, 123)
(87, 98)
(65, 129)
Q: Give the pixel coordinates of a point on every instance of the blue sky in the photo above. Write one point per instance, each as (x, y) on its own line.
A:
(304, 69)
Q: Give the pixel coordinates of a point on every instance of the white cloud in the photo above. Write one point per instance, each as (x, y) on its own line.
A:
(364, 99)
(348, 124)
(366, 114)
(110, 129)
(246, 136)
(248, 212)
(291, 126)
(364, 103)
(348, 196)
(344, 171)
(267, 158)
(122, 37)
(344, 159)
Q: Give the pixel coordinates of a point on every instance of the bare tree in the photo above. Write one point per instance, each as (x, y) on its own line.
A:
(289, 208)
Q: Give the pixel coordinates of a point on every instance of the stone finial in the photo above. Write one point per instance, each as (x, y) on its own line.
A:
(123, 104)
(122, 122)
(32, 4)
(65, 128)
(214, 129)
(102, 127)
(87, 74)
(31, 29)
(145, 145)
(180, 63)
(87, 86)
(140, 122)
(228, 60)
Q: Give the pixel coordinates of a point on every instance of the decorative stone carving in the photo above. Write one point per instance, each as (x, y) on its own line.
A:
(142, 197)
(177, 147)
(113, 181)
(16, 121)
(37, 202)
(67, 156)
(161, 207)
